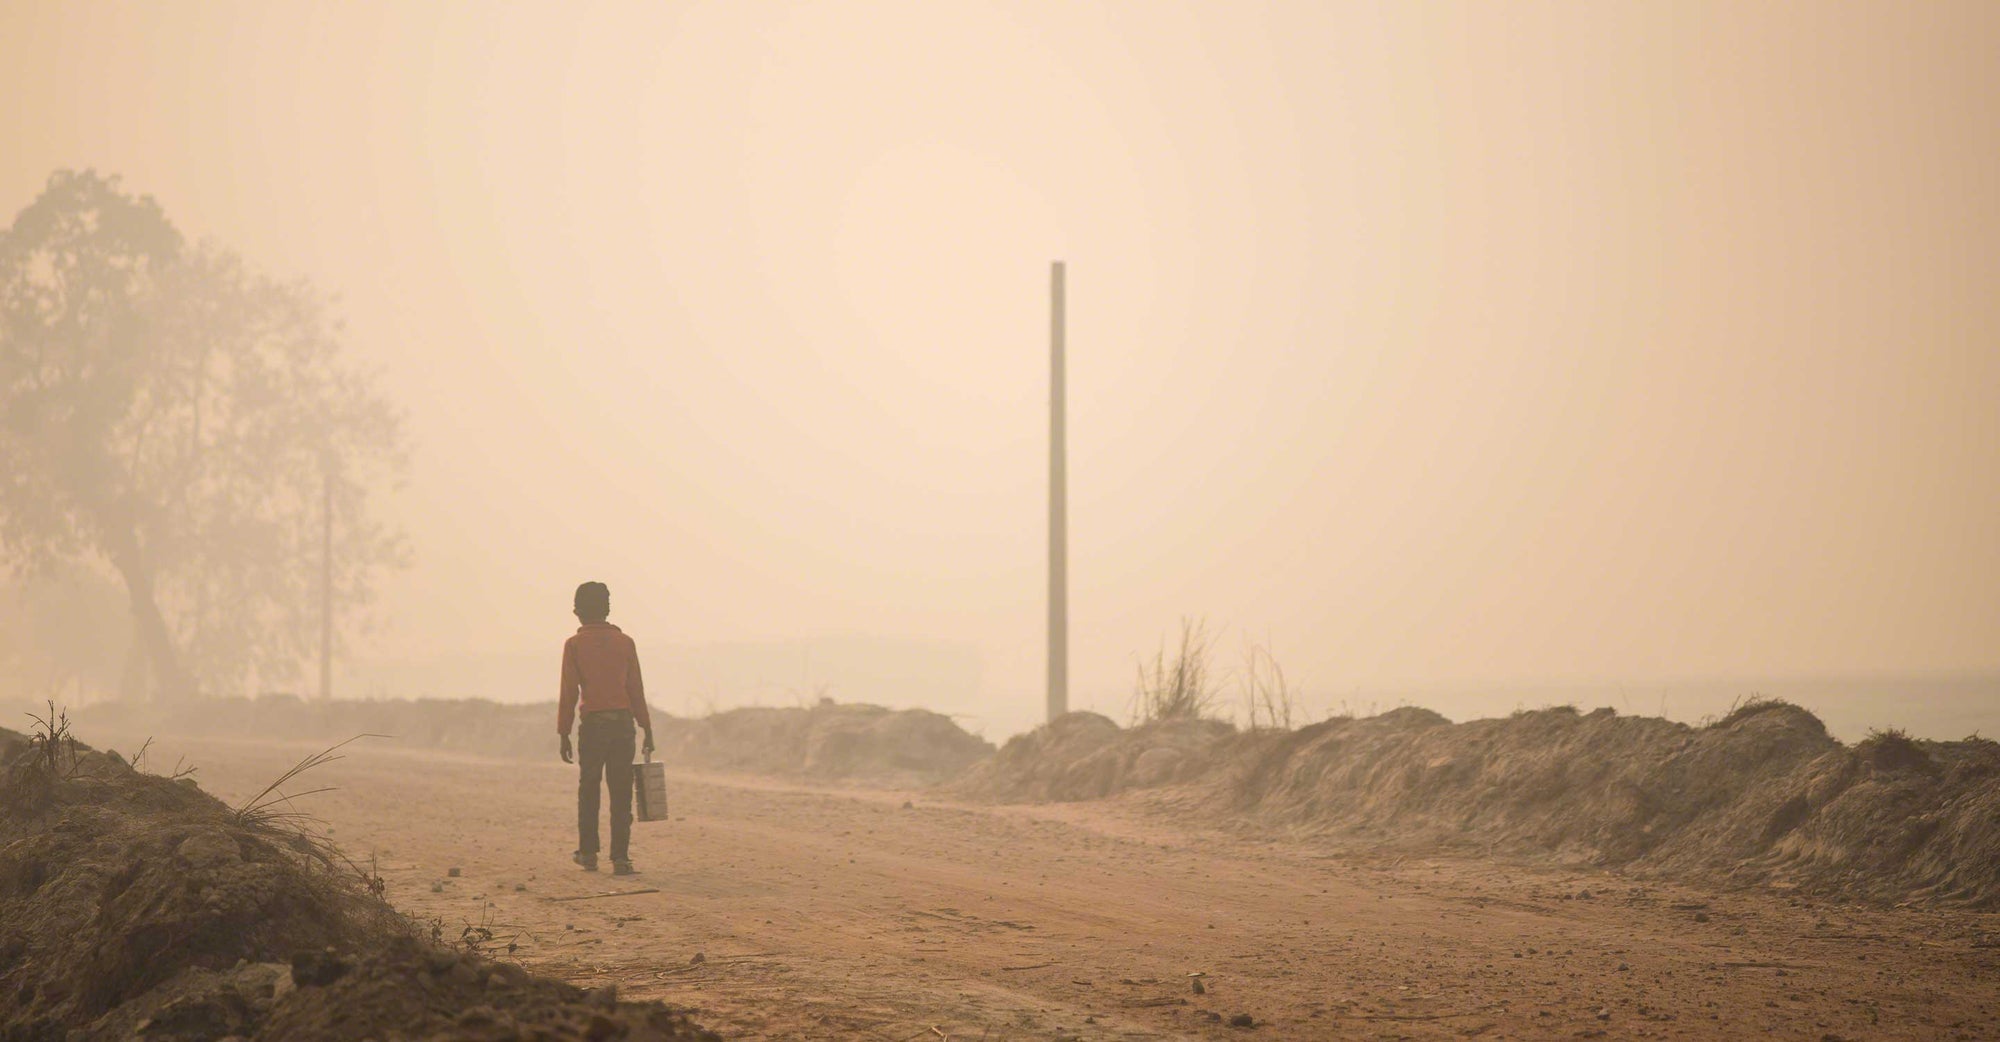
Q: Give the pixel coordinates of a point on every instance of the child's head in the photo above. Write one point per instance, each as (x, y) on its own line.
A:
(593, 602)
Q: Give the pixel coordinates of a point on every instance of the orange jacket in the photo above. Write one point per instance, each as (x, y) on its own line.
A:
(600, 670)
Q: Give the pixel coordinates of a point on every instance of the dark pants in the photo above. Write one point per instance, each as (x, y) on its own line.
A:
(604, 745)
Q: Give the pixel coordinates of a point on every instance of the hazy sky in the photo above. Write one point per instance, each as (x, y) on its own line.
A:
(1432, 342)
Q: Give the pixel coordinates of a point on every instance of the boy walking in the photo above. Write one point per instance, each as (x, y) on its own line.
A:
(601, 686)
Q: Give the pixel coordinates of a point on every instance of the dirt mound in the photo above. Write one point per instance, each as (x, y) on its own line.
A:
(1083, 756)
(829, 741)
(1765, 796)
(408, 991)
(111, 881)
(132, 905)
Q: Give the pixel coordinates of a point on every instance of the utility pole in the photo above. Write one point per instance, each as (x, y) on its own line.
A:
(326, 584)
(1058, 508)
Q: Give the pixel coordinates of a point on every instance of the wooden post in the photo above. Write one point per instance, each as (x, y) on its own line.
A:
(1058, 508)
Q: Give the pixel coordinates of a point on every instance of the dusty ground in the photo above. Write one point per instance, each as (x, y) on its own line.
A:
(843, 913)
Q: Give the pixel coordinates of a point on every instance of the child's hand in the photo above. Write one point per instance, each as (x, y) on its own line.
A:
(568, 755)
(648, 747)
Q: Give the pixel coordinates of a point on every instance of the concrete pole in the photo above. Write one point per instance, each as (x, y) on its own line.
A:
(1058, 508)
(326, 586)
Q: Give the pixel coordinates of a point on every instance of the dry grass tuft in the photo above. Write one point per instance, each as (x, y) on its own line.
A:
(1748, 706)
(1266, 695)
(1892, 749)
(1180, 689)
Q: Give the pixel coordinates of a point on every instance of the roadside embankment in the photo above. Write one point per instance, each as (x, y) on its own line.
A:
(825, 742)
(1764, 796)
(137, 906)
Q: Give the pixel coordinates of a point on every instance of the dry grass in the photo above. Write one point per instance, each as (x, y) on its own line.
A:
(1745, 707)
(1179, 689)
(273, 806)
(1267, 698)
(1892, 749)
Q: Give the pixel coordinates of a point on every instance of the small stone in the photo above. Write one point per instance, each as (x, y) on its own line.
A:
(520, 888)
(1583, 895)
(907, 805)
(1701, 917)
(1243, 1020)
(1604, 1014)
(698, 958)
(1622, 968)
(1198, 989)
(437, 886)
(452, 872)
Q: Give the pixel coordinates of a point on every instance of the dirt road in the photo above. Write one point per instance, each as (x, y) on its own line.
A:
(791, 912)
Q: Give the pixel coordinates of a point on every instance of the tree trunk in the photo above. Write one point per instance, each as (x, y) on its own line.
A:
(150, 638)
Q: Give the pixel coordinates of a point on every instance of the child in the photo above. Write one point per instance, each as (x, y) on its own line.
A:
(600, 677)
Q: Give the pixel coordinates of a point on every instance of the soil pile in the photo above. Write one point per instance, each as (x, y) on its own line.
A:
(132, 905)
(829, 741)
(1764, 796)
(1084, 756)
(406, 990)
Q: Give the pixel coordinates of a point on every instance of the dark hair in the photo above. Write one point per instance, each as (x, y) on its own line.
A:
(593, 601)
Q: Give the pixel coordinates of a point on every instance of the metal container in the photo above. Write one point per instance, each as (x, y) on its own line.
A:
(649, 782)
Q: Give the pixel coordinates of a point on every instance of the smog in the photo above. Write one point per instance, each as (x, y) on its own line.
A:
(966, 521)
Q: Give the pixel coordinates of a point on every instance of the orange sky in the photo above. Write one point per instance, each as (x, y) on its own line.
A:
(1432, 342)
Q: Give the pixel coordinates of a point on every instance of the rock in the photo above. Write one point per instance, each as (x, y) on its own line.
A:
(907, 805)
(698, 958)
(506, 975)
(317, 969)
(1583, 895)
(1604, 1013)
(437, 886)
(453, 872)
(1701, 917)
(1243, 1020)
(1198, 989)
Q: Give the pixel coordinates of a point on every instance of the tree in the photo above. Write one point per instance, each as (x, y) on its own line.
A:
(172, 417)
